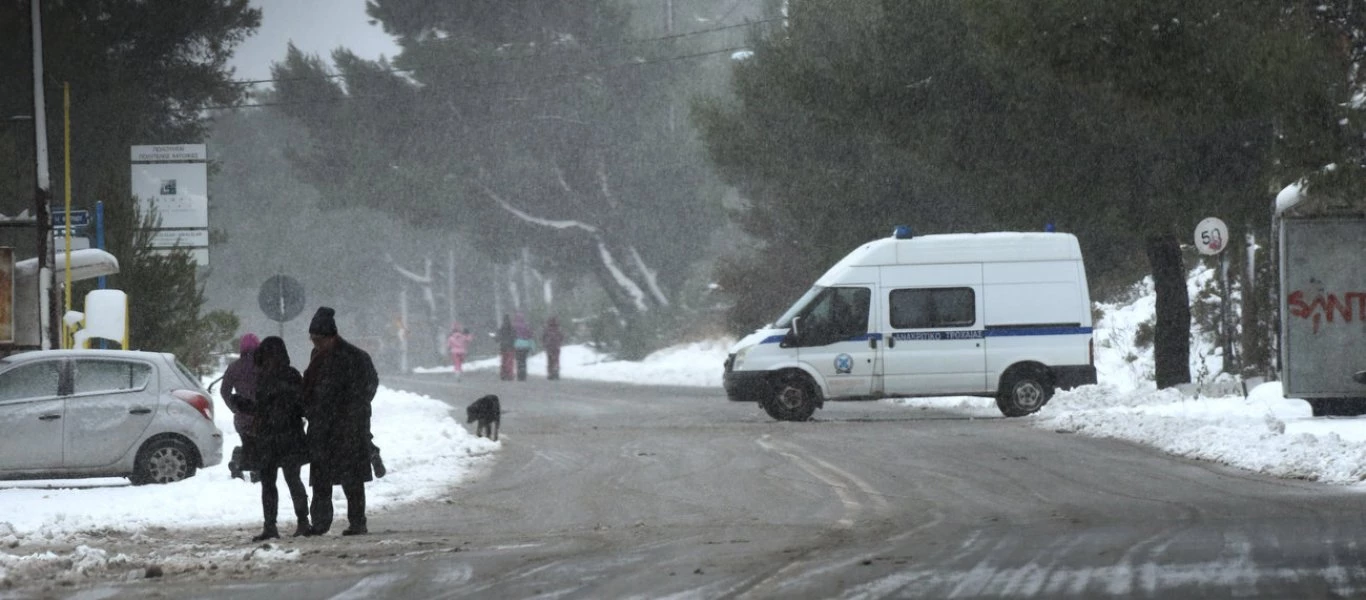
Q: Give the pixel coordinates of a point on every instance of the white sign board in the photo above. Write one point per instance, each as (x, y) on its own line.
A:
(170, 153)
(58, 241)
(178, 191)
(185, 238)
(200, 255)
(1211, 235)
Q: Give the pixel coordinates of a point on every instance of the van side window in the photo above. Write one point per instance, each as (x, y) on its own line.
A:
(932, 308)
(837, 313)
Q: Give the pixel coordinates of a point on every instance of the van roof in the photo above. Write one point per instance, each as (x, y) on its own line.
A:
(1001, 246)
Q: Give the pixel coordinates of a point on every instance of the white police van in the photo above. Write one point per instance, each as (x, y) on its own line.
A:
(1004, 315)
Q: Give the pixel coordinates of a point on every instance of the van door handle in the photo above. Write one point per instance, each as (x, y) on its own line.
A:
(140, 411)
(891, 342)
(872, 343)
(49, 417)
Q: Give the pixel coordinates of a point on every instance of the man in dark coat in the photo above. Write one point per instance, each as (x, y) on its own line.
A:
(339, 384)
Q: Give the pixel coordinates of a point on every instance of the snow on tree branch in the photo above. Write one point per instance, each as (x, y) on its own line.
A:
(650, 279)
(625, 282)
(411, 276)
(554, 223)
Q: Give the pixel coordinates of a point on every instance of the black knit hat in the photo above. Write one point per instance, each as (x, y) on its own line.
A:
(323, 322)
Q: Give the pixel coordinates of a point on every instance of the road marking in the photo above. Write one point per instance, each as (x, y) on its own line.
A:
(369, 587)
(851, 504)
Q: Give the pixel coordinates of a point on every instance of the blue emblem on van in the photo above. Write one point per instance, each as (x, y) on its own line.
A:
(844, 364)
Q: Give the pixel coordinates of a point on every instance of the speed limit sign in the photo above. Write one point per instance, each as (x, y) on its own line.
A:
(1211, 235)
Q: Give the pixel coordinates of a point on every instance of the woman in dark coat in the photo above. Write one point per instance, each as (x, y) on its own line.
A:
(239, 394)
(280, 442)
(507, 349)
(552, 338)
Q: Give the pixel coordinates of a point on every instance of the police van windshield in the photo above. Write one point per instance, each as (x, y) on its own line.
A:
(831, 311)
(785, 321)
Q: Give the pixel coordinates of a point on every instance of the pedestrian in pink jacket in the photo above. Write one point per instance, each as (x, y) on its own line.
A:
(458, 343)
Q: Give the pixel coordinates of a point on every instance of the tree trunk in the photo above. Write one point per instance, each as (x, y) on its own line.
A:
(1171, 339)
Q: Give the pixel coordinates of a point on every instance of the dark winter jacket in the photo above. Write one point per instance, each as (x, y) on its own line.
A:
(339, 385)
(239, 391)
(507, 336)
(280, 437)
(552, 338)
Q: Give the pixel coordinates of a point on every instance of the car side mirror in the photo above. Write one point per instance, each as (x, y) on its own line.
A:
(1359, 377)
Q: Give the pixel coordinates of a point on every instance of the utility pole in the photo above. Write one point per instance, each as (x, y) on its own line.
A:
(42, 188)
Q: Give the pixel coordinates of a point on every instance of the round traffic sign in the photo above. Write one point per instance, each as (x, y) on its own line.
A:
(1211, 235)
(281, 298)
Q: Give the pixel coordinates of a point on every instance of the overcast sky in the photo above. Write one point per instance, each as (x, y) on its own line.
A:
(316, 27)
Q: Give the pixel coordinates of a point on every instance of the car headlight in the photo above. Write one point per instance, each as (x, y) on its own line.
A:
(739, 358)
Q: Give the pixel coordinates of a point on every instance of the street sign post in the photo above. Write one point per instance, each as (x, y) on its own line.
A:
(79, 218)
(281, 298)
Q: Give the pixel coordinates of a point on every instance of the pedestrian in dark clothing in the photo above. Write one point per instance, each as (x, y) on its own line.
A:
(552, 339)
(522, 344)
(339, 384)
(507, 347)
(239, 394)
(280, 441)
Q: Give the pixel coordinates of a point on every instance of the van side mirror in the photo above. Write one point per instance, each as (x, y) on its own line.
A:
(1359, 377)
(792, 336)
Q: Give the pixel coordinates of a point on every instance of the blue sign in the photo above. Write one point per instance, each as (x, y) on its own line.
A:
(79, 218)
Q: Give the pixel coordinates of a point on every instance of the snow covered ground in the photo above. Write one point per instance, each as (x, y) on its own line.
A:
(428, 451)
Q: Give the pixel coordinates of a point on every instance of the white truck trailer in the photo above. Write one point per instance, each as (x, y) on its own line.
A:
(1322, 304)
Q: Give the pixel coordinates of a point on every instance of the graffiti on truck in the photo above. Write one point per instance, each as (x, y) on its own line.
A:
(1327, 307)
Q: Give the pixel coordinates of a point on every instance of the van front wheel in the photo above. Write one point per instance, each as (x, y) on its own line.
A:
(1023, 392)
(793, 397)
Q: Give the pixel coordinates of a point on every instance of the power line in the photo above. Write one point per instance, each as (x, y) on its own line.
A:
(534, 55)
(561, 77)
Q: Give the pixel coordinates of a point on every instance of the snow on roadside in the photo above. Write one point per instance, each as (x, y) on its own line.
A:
(424, 448)
(690, 364)
(1264, 433)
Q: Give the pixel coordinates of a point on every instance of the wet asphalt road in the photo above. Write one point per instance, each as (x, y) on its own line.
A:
(616, 491)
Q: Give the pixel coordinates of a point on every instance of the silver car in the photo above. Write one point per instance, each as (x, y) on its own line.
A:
(103, 413)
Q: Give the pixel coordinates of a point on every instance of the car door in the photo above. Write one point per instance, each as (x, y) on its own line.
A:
(833, 339)
(934, 331)
(113, 401)
(31, 416)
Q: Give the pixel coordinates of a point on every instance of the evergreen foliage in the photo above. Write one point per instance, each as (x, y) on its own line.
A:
(530, 124)
(1122, 122)
(139, 73)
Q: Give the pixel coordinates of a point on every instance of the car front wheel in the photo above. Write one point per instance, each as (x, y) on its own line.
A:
(793, 398)
(164, 461)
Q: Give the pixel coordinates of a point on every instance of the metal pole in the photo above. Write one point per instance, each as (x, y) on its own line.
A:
(450, 280)
(99, 235)
(66, 189)
(42, 184)
(99, 243)
(403, 329)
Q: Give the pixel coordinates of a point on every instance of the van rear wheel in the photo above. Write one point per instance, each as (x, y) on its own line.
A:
(1024, 392)
(794, 397)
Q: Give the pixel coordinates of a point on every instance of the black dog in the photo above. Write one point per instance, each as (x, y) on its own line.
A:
(486, 411)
